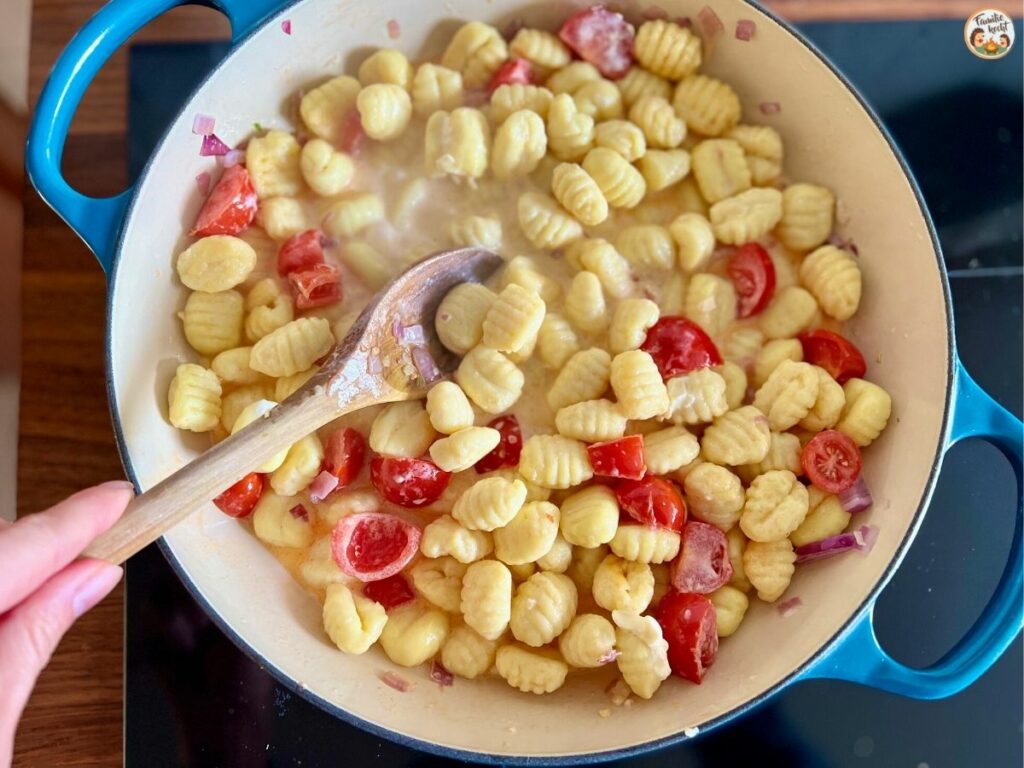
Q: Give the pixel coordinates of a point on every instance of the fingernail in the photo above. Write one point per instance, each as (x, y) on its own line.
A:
(95, 587)
(118, 485)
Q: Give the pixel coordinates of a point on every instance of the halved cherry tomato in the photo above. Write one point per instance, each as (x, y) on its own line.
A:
(703, 563)
(652, 501)
(299, 251)
(690, 627)
(352, 136)
(315, 286)
(602, 37)
(240, 499)
(512, 71)
(831, 460)
(408, 482)
(344, 455)
(390, 592)
(230, 206)
(679, 346)
(371, 546)
(506, 452)
(835, 354)
(619, 458)
(753, 275)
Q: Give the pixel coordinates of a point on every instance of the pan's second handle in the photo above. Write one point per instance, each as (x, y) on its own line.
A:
(159, 509)
(859, 658)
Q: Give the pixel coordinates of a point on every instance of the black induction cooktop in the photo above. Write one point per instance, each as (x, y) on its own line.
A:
(194, 699)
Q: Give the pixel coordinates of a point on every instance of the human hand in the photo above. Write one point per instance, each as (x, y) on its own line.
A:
(44, 588)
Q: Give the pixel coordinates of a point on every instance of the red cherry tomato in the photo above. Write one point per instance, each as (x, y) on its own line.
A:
(703, 563)
(371, 546)
(344, 455)
(230, 206)
(315, 286)
(619, 458)
(831, 460)
(408, 482)
(506, 452)
(652, 501)
(834, 353)
(299, 251)
(690, 627)
(512, 71)
(352, 136)
(390, 592)
(679, 346)
(602, 37)
(240, 499)
(753, 275)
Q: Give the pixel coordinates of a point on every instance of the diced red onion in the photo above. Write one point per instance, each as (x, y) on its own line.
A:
(475, 97)
(425, 364)
(745, 29)
(856, 498)
(413, 334)
(394, 29)
(839, 241)
(609, 657)
(286, 26)
(203, 182)
(863, 539)
(770, 107)
(397, 328)
(655, 12)
(789, 607)
(440, 675)
(710, 23)
(213, 147)
(684, 21)
(322, 486)
(392, 680)
(374, 365)
(234, 157)
(202, 125)
(868, 536)
(299, 512)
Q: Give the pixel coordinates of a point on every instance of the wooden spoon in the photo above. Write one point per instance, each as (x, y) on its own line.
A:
(370, 366)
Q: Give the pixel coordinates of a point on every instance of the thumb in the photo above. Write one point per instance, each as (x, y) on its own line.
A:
(30, 632)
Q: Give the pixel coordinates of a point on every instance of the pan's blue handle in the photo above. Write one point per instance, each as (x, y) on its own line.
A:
(98, 220)
(860, 659)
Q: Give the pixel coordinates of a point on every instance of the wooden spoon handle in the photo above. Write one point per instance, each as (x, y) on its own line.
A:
(160, 508)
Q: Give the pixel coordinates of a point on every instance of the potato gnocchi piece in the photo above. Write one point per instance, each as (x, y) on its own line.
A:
(630, 322)
(866, 412)
(776, 504)
(600, 99)
(545, 223)
(402, 429)
(666, 450)
(735, 383)
(622, 184)
(326, 171)
(656, 118)
(742, 345)
(639, 82)
(558, 557)
(318, 569)
(325, 108)
(531, 671)
(708, 106)
(746, 216)
(585, 304)
(783, 453)
(233, 403)
(772, 355)
(476, 50)
(275, 523)
(826, 517)
(589, 518)
(448, 408)
(640, 544)
(541, 48)
(553, 461)
(487, 598)
(647, 246)
(193, 398)
(542, 608)
(623, 585)
(299, 467)
(833, 277)
(591, 421)
(492, 381)
(556, 341)
(791, 311)
(281, 217)
(523, 271)
(385, 110)
(414, 632)
(711, 302)
(696, 397)
(444, 536)
(467, 654)
(490, 503)
(769, 566)
(621, 136)
(828, 406)
(730, 607)
(572, 77)
(352, 215)
(807, 214)
(596, 255)
(212, 322)
(570, 132)
(436, 89)
(519, 145)
(216, 263)
(348, 501)
(463, 449)
(737, 545)
(478, 232)
(584, 376)
(460, 316)
(638, 386)
(273, 164)
(589, 641)
(661, 168)
(352, 622)
(439, 581)
(714, 495)
(643, 652)
(788, 394)
(737, 437)
(667, 49)
(457, 144)
(514, 319)
(528, 536)
(695, 240)
(265, 318)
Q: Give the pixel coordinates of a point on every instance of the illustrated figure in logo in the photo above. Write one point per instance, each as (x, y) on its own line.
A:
(978, 37)
(1004, 43)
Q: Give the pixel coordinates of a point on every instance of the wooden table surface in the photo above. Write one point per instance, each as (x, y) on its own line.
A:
(65, 437)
